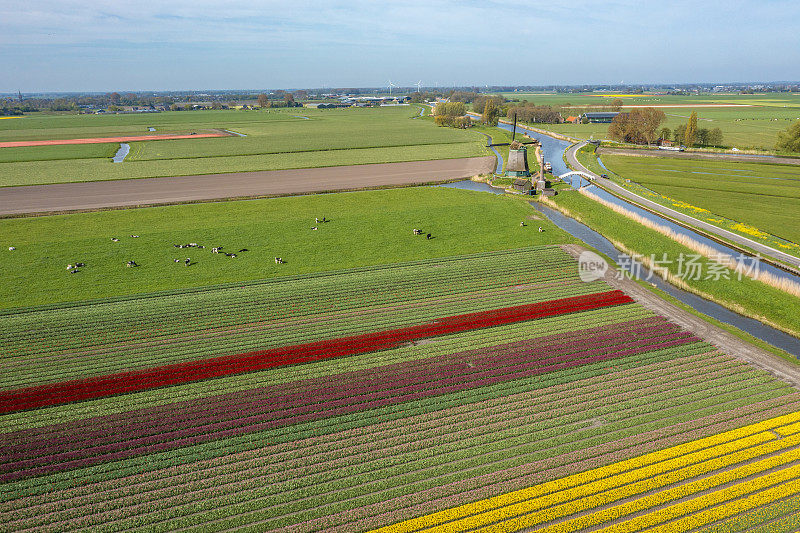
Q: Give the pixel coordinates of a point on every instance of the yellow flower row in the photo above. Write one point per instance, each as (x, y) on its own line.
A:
(608, 490)
(785, 431)
(759, 432)
(655, 483)
(780, 484)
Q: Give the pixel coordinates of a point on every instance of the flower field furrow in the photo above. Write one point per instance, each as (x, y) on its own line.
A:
(175, 438)
(487, 392)
(241, 400)
(398, 510)
(333, 495)
(766, 513)
(506, 415)
(329, 466)
(323, 399)
(324, 448)
(443, 345)
(131, 381)
(184, 347)
(678, 454)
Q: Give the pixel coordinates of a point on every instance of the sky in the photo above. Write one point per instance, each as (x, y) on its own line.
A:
(109, 45)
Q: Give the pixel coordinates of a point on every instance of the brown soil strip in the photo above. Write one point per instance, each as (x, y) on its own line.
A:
(87, 196)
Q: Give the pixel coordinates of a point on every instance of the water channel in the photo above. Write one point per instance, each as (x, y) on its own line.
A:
(553, 150)
(122, 153)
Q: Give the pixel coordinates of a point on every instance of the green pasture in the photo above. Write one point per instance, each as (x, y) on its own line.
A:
(63, 171)
(57, 152)
(762, 195)
(42, 126)
(746, 295)
(275, 140)
(754, 127)
(365, 228)
(585, 99)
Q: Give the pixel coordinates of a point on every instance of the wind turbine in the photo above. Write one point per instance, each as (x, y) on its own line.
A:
(390, 87)
(419, 86)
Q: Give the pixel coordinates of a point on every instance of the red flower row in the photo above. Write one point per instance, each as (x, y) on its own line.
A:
(139, 380)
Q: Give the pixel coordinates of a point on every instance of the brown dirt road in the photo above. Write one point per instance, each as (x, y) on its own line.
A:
(64, 197)
(726, 342)
(744, 158)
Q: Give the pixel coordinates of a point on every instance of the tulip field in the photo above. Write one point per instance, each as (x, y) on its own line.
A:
(488, 392)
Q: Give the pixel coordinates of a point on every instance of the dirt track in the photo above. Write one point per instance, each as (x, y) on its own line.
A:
(727, 342)
(699, 155)
(101, 140)
(63, 197)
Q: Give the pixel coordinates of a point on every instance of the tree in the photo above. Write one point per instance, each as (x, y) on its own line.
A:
(114, 98)
(680, 134)
(702, 136)
(714, 137)
(262, 100)
(490, 113)
(690, 137)
(639, 126)
(666, 134)
(789, 140)
(616, 105)
(288, 100)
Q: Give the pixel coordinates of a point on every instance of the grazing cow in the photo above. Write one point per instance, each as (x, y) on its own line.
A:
(314, 228)
(187, 261)
(78, 265)
(131, 264)
(69, 267)
(202, 247)
(540, 229)
(325, 220)
(316, 221)
(11, 248)
(114, 239)
(73, 271)
(177, 260)
(521, 223)
(428, 236)
(134, 236)
(215, 250)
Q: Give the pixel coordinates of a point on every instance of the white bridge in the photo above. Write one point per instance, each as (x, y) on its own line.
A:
(588, 177)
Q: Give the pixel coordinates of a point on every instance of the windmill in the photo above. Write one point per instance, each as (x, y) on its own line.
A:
(419, 86)
(390, 87)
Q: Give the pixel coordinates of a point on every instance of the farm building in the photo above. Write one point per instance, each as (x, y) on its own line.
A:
(600, 117)
(522, 185)
(517, 166)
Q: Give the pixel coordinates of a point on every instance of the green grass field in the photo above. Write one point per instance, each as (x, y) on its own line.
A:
(764, 196)
(275, 140)
(752, 297)
(366, 228)
(753, 127)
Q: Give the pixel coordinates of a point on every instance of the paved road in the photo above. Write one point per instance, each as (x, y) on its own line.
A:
(699, 155)
(725, 341)
(62, 197)
(709, 228)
